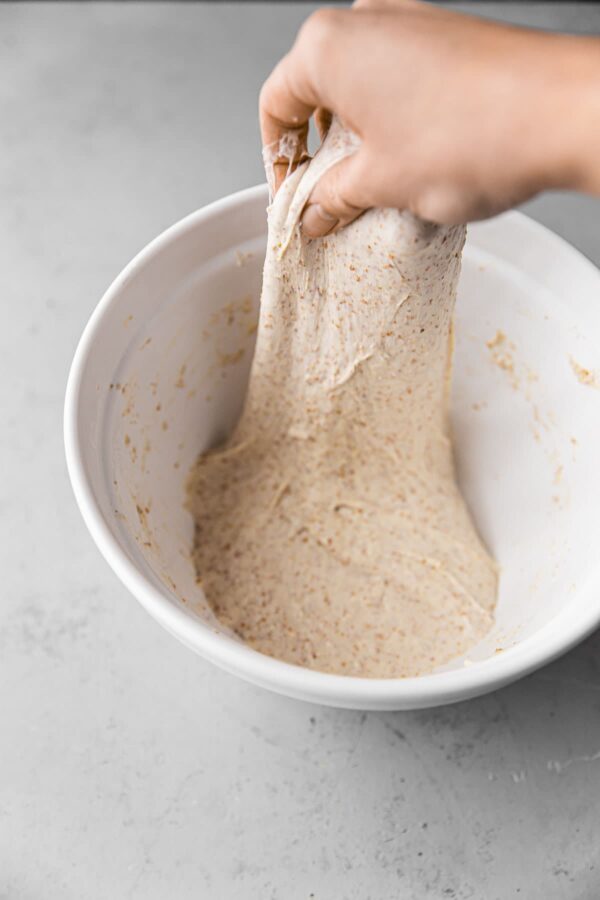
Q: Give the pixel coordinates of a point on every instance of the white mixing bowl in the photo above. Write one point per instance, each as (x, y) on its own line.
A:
(160, 375)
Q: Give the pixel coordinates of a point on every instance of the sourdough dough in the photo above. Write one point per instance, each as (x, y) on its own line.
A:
(330, 531)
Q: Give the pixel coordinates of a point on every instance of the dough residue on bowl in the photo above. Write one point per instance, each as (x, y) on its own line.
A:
(329, 529)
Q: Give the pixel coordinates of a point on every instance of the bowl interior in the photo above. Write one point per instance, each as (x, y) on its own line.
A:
(168, 359)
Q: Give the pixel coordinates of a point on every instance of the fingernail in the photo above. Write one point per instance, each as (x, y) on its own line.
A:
(316, 221)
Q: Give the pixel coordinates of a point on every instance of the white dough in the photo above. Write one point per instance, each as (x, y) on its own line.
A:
(330, 531)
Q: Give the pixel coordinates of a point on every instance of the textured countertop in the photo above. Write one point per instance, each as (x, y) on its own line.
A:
(130, 768)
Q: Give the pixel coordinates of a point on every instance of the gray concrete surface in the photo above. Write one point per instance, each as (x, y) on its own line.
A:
(130, 768)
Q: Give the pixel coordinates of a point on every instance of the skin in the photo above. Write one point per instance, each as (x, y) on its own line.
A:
(459, 118)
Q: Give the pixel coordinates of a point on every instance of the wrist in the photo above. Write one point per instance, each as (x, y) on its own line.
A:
(571, 159)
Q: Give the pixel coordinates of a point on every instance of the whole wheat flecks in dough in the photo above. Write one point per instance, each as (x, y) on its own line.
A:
(330, 531)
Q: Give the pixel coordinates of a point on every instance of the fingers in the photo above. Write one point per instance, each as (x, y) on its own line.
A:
(282, 158)
(284, 120)
(450, 204)
(338, 198)
(323, 122)
(291, 95)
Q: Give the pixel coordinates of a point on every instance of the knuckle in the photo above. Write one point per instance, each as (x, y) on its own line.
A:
(320, 27)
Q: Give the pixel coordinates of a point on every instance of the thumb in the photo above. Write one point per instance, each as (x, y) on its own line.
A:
(339, 197)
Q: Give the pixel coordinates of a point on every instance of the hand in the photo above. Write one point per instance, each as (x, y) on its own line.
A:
(460, 118)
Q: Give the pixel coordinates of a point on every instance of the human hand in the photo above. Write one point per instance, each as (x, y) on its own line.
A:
(459, 118)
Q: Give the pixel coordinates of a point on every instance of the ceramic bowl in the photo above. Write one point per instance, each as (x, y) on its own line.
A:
(160, 374)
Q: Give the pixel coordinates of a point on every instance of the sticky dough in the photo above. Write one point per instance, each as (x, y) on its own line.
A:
(330, 531)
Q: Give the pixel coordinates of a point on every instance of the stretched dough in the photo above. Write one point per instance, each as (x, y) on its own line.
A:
(330, 531)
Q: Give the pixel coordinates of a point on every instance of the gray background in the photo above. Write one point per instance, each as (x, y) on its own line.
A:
(129, 768)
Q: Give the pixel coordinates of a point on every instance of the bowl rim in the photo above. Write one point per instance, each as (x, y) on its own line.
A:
(295, 681)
